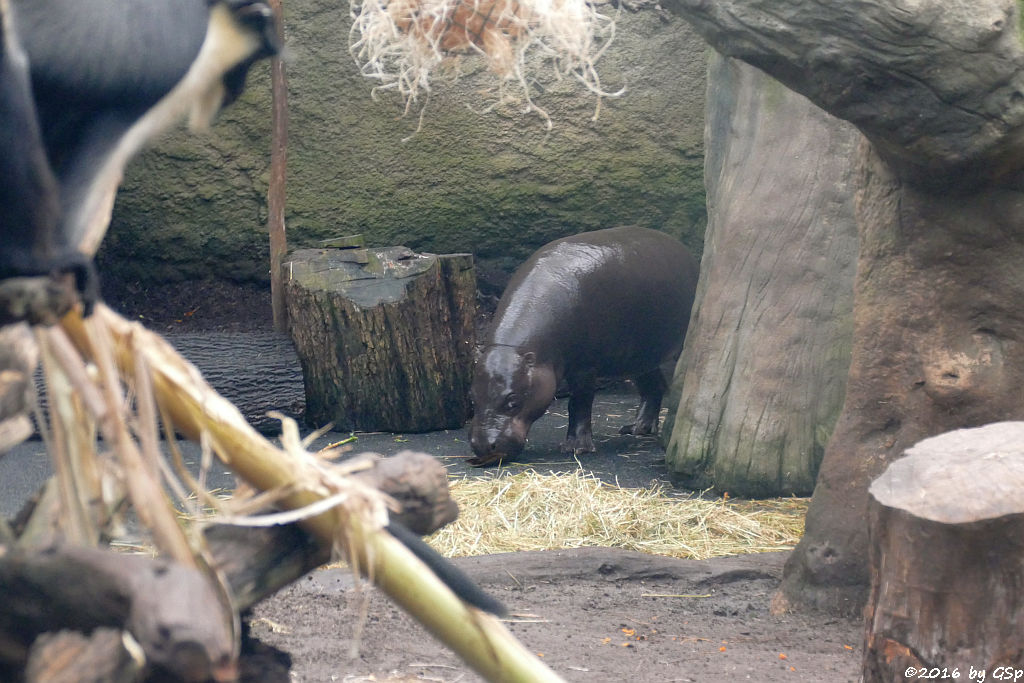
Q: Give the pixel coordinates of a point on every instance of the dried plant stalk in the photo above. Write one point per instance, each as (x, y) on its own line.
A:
(70, 443)
(199, 413)
(355, 524)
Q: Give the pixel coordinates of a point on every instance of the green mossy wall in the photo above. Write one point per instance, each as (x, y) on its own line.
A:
(497, 184)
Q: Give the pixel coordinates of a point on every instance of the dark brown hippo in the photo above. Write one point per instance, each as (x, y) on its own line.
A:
(610, 303)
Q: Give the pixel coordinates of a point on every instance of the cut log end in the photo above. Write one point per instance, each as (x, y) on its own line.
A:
(959, 477)
(947, 555)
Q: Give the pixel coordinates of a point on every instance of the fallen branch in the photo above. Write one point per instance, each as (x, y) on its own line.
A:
(172, 611)
(258, 561)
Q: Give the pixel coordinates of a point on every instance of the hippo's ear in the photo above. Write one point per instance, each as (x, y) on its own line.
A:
(529, 359)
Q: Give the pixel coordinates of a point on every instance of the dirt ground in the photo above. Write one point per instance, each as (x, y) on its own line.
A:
(594, 614)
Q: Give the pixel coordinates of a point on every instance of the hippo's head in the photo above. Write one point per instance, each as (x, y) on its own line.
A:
(510, 391)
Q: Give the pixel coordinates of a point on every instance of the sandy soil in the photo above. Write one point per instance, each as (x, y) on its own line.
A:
(593, 614)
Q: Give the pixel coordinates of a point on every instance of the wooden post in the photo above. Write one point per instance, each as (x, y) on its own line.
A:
(278, 170)
(947, 558)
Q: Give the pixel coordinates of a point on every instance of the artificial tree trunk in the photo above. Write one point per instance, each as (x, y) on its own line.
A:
(762, 376)
(937, 330)
(938, 89)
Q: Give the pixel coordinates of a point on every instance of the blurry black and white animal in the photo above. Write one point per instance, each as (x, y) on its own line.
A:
(85, 84)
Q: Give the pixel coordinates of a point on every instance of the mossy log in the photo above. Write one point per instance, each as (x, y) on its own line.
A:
(947, 557)
(385, 336)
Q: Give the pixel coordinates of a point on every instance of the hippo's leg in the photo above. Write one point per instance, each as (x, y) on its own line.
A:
(579, 437)
(652, 387)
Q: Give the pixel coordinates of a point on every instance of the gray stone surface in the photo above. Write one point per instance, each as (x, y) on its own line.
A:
(497, 184)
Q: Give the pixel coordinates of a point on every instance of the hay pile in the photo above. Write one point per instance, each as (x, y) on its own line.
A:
(401, 43)
(531, 511)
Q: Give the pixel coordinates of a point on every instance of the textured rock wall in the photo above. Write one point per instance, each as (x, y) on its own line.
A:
(495, 183)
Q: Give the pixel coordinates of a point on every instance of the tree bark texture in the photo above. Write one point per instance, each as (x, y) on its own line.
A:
(947, 554)
(938, 89)
(258, 372)
(762, 376)
(385, 344)
(935, 85)
(939, 345)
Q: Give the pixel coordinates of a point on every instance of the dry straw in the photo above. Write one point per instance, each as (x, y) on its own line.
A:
(532, 511)
(401, 43)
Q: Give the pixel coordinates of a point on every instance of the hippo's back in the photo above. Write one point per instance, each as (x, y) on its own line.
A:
(617, 300)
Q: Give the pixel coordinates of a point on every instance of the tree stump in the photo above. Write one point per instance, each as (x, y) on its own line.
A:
(947, 558)
(385, 336)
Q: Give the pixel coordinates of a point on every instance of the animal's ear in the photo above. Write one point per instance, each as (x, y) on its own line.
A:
(530, 359)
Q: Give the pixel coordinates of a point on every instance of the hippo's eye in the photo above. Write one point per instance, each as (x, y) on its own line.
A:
(512, 402)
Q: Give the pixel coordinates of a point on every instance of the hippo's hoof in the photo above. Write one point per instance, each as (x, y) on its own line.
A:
(638, 429)
(578, 446)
